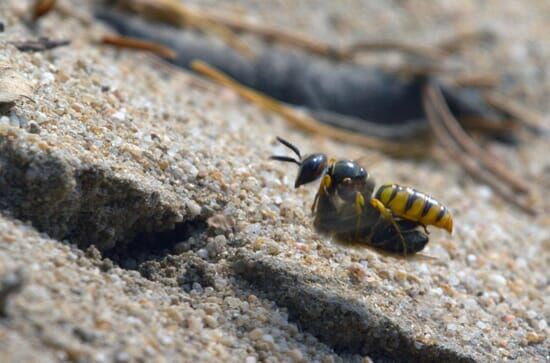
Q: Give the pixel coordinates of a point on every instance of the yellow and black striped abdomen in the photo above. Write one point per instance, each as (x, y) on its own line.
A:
(408, 203)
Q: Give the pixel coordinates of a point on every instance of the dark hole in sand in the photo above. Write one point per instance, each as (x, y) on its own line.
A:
(155, 246)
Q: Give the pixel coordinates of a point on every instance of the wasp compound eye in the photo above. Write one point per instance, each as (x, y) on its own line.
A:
(311, 168)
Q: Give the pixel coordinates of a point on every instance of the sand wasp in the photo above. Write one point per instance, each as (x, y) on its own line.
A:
(346, 207)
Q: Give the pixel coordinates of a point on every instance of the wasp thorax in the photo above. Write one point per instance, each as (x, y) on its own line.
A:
(311, 168)
(349, 178)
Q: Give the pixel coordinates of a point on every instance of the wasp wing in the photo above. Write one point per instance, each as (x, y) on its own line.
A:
(369, 228)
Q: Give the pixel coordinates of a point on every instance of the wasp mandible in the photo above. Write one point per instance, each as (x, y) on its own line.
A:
(345, 206)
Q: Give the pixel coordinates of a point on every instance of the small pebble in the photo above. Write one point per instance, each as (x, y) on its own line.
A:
(34, 128)
(210, 321)
(120, 115)
(267, 338)
(181, 247)
(272, 247)
(296, 355)
(453, 280)
(483, 326)
(197, 287)
(194, 323)
(497, 280)
(470, 304)
(534, 338)
(202, 253)
(357, 272)
(437, 291)
(255, 334)
(122, 357)
(17, 121)
(47, 78)
(193, 208)
(485, 192)
(164, 338)
(216, 246)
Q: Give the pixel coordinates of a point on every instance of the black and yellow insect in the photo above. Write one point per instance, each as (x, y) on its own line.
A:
(345, 206)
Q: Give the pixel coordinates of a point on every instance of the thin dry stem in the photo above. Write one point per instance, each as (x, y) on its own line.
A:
(458, 41)
(304, 122)
(134, 43)
(479, 80)
(487, 125)
(273, 34)
(175, 13)
(41, 8)
(487, 159)
(394, 45)
(468, 164)
(522, 114)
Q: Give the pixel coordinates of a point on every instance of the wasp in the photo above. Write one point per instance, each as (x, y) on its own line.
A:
(346, 205)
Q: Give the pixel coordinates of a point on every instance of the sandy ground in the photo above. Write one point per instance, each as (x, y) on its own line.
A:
(114, 146)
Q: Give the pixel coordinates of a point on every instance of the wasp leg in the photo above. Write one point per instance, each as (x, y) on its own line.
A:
(425, 228)
(326, 182)
(373, 229)
(359, 205)
(387, 214)
(388, 241)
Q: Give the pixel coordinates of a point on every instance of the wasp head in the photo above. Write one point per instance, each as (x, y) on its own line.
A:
(311, 166)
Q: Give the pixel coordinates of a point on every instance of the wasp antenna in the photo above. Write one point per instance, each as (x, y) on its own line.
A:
(285, 158)
(290, 146)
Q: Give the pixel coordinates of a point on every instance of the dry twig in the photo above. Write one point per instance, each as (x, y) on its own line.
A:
(393, 45)
(480, 80)
(41, 8)
(488, 160)
(134, 43)
(487, 125)
(470, 165)
(39, 45)
(522, 114)
(458, 41)
(175, 13)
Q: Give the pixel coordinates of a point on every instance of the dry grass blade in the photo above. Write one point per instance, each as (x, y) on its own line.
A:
(487, 125)
(488, 160)
(41, 8)
(394, 45)
(273, 34)
(133, 43)
(224, 25)
(39, 45)
(458, 41)
(304, 122)
(527, 117)
(482, 80)
(175, 13)
(306, 43)
(468, 164)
